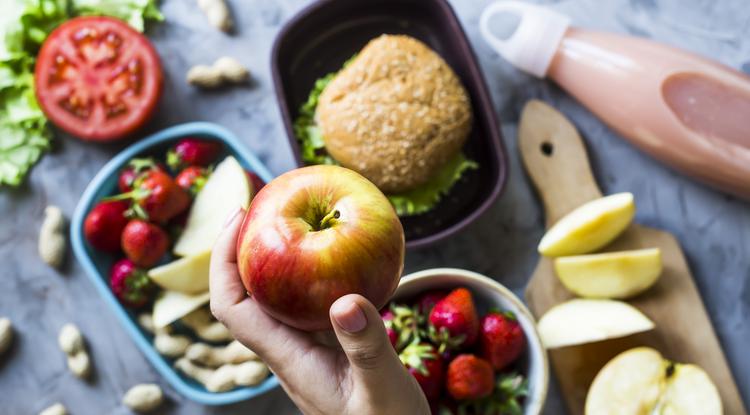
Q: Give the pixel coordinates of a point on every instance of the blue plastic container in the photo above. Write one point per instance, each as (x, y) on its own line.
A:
(97, 264)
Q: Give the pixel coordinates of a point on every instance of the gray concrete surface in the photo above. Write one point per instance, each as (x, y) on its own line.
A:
(714, 228)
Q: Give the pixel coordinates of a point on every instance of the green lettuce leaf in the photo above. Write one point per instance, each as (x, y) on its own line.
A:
(24, 135)
(32, 21)
(24, 24)
(425, 197)
(135, 12)
(413, 202)
(307, 131)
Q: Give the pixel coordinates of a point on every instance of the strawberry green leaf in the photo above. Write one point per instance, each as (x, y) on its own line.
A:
(408, 323)
(415, 354)
(444, 340)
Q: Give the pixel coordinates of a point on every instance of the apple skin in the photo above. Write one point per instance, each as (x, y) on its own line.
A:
(296, 272)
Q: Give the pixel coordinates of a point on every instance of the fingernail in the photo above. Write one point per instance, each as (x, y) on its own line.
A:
(232, 216)
(349, 316)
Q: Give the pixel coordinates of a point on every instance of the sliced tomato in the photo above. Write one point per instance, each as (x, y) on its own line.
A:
(97, 78)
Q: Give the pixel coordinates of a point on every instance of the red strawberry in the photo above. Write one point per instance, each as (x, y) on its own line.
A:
(426, 365)
(454, 321)
(130, 284)
(192, 179)
(156, 197)
(427, 301)
(193, 152)
(126, 179)
(134, 168)
(255, 180)
(469, 377)
(161, 198)
(144, 243)
(501, 339)
(387, 316)
(104, 224)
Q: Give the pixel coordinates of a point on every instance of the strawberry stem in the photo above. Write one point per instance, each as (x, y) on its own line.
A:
(174, 161)
(414, 355)
(135, 195)
(136, 212)
(140, 164)
(408, 323)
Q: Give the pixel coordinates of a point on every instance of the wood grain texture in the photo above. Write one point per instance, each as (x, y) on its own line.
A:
(683, 333)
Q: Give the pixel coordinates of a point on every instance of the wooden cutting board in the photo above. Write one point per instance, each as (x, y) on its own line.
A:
(555, 158)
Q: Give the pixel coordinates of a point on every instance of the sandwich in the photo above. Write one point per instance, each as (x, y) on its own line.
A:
(395, 113)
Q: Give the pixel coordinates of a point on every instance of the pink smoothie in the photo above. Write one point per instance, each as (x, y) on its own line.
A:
(687, 111)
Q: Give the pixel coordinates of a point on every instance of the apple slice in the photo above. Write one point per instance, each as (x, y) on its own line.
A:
(172, 306)
(187, 275)
(225, 190)
(690, 391)
(582, 321)
(589, 227)
(640, 381)
(630, 383)
(610, 275)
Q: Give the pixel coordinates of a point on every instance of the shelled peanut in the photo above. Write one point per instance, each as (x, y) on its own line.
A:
(71, 342)
(218, 367)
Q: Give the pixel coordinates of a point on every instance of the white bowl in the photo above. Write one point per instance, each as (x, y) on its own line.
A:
(489, 294)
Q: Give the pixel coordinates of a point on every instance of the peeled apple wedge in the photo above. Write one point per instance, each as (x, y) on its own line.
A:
(171, 306)
(225, 190)
(641, 382)
(589, 227)
(187, 275)
(610, 275)
(630, 383)
(582, 321)
(690, 391)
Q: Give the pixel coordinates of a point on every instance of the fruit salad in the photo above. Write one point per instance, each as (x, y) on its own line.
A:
(159, 231)
(465, 363)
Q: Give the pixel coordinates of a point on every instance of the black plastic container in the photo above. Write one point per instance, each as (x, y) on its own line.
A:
(324, 35)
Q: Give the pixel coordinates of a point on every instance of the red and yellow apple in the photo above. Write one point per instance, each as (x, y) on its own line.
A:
(313, 235)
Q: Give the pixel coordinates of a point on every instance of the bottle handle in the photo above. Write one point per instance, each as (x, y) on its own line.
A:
(533, 43)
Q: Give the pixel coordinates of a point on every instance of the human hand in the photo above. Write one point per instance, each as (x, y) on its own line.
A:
(357, 372)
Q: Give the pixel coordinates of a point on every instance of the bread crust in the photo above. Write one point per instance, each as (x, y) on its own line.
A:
(396, 114)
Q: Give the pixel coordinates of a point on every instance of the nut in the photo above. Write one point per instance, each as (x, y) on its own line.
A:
(56, 409)
(52, 237)
(6, 334)
(144, 397)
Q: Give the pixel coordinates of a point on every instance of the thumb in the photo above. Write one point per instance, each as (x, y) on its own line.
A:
(362, 336)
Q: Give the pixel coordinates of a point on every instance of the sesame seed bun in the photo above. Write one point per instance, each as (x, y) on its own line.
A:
(396, 114)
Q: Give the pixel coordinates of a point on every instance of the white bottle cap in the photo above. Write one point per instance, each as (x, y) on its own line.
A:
(533, 44)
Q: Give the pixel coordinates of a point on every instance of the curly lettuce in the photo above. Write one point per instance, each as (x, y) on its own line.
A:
(24, 25)
(414, 202)
(309, 136)
(135, 12)
(425, 197)
(24, 135)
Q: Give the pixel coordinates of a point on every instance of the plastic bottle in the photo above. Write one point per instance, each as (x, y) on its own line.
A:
(685, 110)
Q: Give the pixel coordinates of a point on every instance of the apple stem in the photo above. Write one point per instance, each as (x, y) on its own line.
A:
(325, 223)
